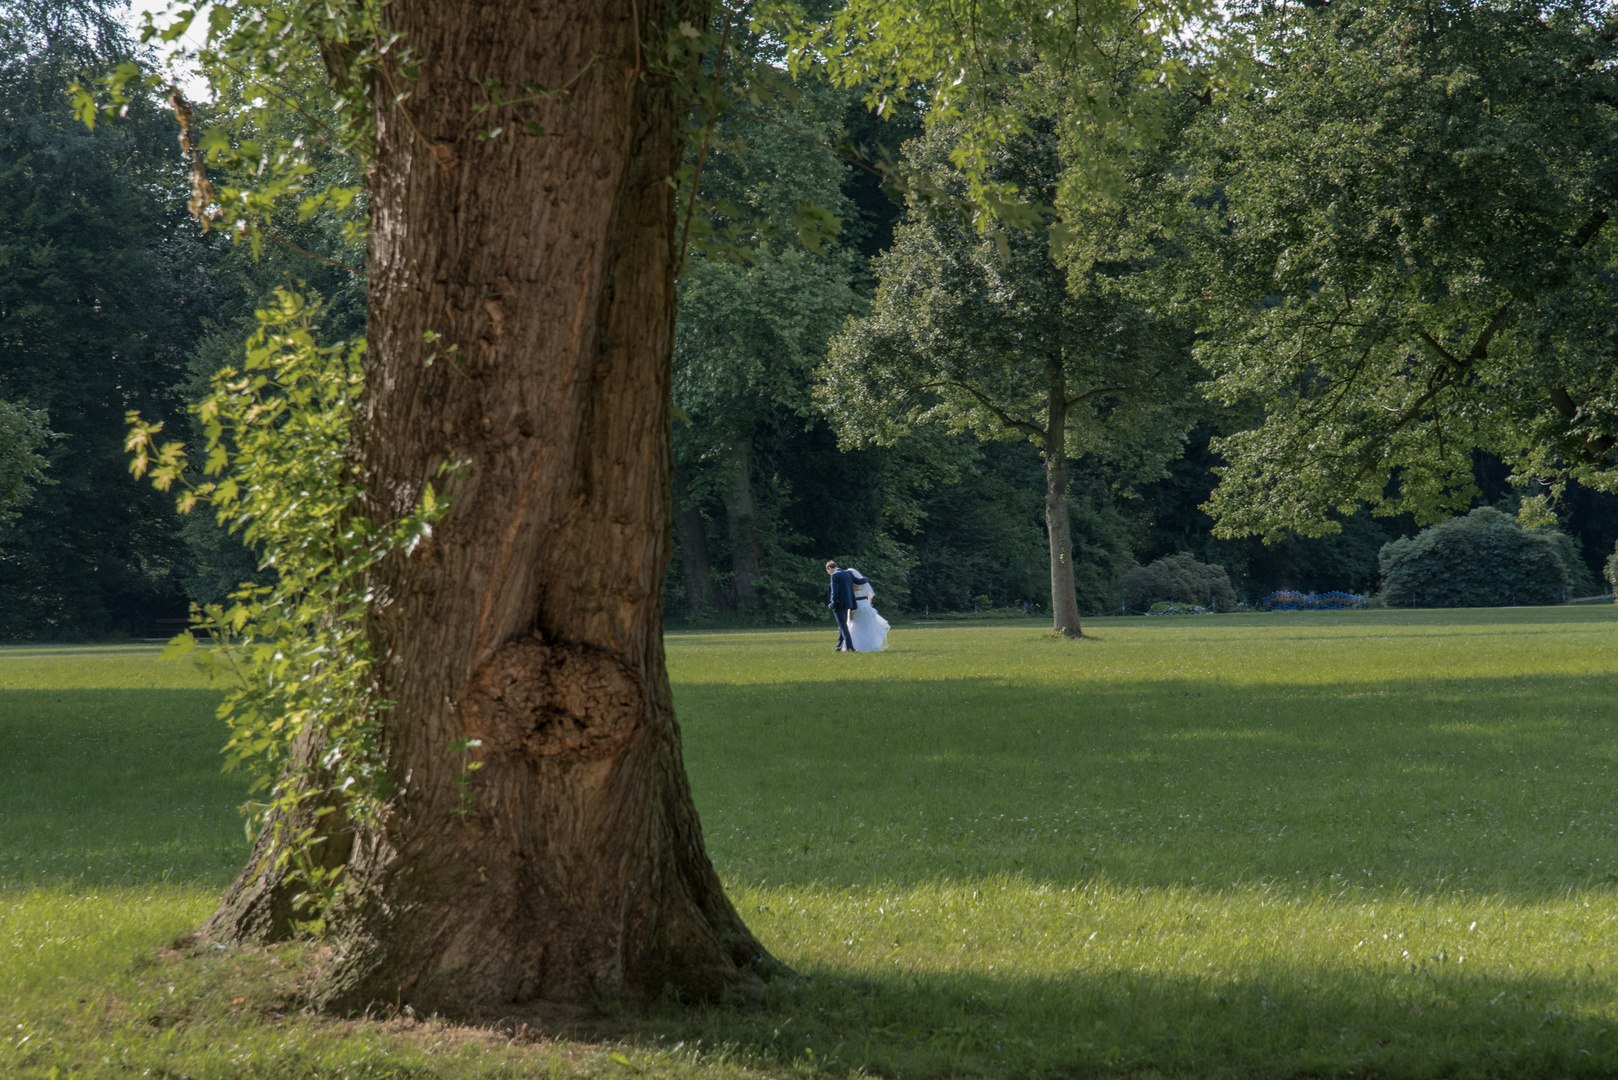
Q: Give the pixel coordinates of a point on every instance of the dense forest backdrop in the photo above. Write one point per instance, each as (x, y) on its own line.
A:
(112, 299)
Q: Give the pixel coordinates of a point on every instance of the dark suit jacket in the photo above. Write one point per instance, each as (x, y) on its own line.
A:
(841, 594)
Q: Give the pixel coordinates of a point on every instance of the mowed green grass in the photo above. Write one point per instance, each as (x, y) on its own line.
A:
(1277, 845)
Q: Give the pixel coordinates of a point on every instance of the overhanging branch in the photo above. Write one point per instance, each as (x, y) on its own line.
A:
(1005, 418)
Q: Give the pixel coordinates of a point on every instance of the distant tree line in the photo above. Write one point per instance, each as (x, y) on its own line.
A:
(870, 381)
(112, 300)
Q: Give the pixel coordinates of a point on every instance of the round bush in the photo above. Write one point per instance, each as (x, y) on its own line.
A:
(1485, 559)
(1176, 578)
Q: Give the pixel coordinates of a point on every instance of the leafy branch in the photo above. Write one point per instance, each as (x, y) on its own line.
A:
(302, 720)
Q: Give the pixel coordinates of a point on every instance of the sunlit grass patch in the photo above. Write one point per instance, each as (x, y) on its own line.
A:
(1178, 848)
(1312, 844)
(1024, 977)
(111, 770)
(103, 982)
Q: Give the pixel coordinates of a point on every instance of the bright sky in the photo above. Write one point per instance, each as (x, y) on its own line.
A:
(192, 84)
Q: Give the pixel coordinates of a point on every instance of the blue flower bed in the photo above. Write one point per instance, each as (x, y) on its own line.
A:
(1290, 600)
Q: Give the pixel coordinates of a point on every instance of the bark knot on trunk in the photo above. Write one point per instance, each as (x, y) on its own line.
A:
(534, 699)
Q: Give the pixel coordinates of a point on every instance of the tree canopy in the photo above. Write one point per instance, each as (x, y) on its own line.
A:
(996, 72)
(1404, 254)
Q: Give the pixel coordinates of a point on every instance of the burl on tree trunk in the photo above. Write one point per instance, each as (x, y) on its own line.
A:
(573, 866)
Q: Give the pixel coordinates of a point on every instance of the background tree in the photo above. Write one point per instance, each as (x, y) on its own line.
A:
(991, 334)
(749, 334)
(1179, 579)
(102, 283)
(1407, 256)
(23, 433)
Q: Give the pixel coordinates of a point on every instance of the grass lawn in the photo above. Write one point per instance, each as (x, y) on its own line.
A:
(1322, 844)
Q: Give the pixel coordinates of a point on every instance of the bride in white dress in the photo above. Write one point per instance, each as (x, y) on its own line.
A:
(868, 629)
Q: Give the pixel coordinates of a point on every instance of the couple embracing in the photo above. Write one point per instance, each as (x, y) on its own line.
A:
(859, 627)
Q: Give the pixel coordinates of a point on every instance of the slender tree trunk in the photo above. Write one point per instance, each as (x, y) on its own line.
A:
(746, 557)
(572, 866)
(696, 568)
(1058, 525)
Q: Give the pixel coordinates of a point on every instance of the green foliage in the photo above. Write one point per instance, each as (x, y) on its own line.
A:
(1610, 572)
(1177, 578)
(278, 438)
(1404, 254)
(269, 134)
(965, 328)
(1484, 559)
(101, 285)
(1103, 536)
(1169, 515)
(23, 433)
(215, 560)
(1098, 76)
(297, 80)
(749, 334)
(979, 534)
(983, 533)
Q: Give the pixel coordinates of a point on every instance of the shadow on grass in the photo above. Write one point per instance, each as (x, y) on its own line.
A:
(1415, 1021)
(1405, 1023)
(116, 785)
(1429, 1018)
(1500, 785)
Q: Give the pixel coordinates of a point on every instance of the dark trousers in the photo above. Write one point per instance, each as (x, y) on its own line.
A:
(845, 638)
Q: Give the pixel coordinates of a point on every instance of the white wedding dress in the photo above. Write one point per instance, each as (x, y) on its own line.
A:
(868, 629)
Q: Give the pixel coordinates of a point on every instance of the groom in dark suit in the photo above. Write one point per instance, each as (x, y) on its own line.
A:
(841, 601)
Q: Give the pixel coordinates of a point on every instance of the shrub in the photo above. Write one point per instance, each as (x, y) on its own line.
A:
(1610, 572)
(1485, 559)
(1178, 577)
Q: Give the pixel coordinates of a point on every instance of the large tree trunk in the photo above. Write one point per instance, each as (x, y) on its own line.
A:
(1058, 525)
(531, 620)
(746, 557)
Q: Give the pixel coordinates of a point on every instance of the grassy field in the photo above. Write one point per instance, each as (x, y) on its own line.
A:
(1271, 845)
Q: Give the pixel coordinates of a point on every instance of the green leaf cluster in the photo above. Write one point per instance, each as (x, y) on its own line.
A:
(768, 280)
(290, 134)
(995, 73)
(277, 467)
(1177, 578)
(23, 433)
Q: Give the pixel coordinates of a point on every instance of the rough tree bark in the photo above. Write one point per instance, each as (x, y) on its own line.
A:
(1058, 525)
(572, 864)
